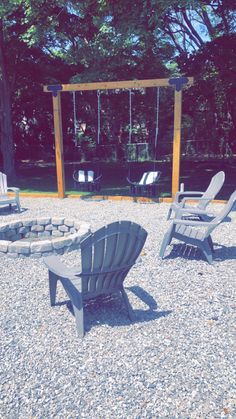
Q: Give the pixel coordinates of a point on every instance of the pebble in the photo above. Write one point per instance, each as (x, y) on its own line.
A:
(176, 360)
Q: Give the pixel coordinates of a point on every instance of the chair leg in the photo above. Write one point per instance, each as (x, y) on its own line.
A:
(169, 213)
(18, 205)
(206, 248)
(211, 243)
(73, 291)
(52, 287)
(128, 305)
(166, 241)
(79, 316)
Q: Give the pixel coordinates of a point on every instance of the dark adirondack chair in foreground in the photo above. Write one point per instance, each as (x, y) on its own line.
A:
(197, 233)
(106, 258)
(5, 198)
(202, 199)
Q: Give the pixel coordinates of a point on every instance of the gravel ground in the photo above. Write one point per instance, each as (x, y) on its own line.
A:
(176, 360)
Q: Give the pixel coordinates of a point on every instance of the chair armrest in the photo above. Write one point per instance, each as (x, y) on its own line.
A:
(190, 194)
(71, 282)
(12, 188)
(194, 223)
(54, 264)
(183, 210)
(184, 200)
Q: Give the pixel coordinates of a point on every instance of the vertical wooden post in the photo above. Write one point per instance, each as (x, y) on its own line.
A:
(59, 144)
(176, 142)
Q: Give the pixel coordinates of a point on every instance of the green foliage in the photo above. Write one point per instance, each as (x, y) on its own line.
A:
(94, 40)
(212, 100)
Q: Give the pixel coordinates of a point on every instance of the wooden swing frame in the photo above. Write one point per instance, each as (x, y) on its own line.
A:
(178, 83)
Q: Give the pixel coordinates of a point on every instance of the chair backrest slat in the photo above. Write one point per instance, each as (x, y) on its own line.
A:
(109, 253)
(143, 179)
(87, 264)
(3, 184)
(135, 243)
(214, 187)
(81, 176)
(149, 178)
(90, 175)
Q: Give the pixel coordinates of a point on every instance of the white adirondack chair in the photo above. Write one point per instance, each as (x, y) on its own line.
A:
(196, 233)
(5, 198)
(201, 199)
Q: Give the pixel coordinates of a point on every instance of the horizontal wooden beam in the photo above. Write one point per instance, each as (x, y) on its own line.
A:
(128, 84)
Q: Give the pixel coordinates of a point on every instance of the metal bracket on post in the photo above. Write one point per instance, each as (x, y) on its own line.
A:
(178, 82)
(54, 89)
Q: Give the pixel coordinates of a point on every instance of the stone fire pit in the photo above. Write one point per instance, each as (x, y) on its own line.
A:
(41, 236)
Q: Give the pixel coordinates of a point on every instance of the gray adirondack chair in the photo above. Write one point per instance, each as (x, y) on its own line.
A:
(197, 233)
(146, 185)
(202, 199)
(106, 258)
(5, 198)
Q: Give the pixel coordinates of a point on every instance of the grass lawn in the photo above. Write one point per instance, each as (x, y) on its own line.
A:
(40, 177)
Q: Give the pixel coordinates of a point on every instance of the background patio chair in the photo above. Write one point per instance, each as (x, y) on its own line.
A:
(85, 180)
(197, 233)
(106, 258)
(6, 199)
(147, 185)
(202, 199)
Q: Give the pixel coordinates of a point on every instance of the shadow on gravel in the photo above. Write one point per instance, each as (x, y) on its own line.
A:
(110, 310)
(221, 253)
(224, 252)
(7, 211)
(144, 296)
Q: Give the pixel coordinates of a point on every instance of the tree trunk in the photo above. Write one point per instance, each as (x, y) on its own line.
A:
(6, 132)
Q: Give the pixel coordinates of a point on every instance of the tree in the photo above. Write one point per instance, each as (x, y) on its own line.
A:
(26, 26)
(93, 40)
(212, 100)
(6, 138)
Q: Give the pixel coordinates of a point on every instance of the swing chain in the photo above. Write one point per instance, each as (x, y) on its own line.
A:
(157, 116)
(130, 116)
(75, 118)
(99, 117)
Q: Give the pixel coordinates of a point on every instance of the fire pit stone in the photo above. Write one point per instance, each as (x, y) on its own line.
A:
(42, 236)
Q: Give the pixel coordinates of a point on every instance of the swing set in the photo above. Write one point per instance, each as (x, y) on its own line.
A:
(86, 180)
(178, 83)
